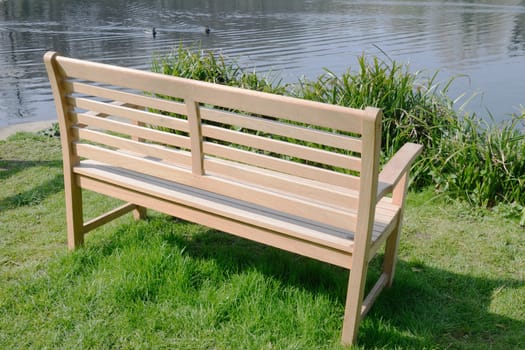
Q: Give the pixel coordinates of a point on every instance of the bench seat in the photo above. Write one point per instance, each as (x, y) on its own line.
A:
(186, 202)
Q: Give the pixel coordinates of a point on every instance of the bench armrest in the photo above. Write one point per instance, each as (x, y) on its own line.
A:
(396, 167)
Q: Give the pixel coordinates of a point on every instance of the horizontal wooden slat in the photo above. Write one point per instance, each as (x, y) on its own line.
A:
(123, 77)
(141, 148)
(132, 130)
(271, 105)
(311, 190)
(287, 204)
(126, 97)
(132, 114)
(280, 128)
(281, 165)
(282, 147)
(294, 109)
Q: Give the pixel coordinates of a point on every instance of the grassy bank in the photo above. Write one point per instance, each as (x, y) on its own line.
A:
(164, 283)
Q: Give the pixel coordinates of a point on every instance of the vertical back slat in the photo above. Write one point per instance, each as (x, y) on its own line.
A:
(194, 119)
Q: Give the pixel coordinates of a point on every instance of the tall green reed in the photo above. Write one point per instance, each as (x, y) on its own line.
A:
(207, 66)
(481, 161)
(464, 156)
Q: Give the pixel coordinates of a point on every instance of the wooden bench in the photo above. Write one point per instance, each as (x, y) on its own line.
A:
(298, 175)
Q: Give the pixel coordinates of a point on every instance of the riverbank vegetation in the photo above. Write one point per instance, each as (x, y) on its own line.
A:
(464, 157)
(169, 284)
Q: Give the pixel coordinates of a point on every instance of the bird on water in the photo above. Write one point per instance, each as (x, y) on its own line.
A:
(153, 31)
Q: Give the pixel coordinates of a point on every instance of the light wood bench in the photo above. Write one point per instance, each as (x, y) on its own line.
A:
(293, 174)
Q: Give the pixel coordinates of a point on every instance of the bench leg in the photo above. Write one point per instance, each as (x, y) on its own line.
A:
(392, 243)
(354, 302)
(140, 213)
(390, 258)
(74, 217)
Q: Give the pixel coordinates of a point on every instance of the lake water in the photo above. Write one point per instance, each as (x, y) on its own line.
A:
(483, 41)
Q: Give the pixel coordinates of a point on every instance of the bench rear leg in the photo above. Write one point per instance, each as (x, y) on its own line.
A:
(140, 213)
(390, 257)
(74, 216)
(392, 243)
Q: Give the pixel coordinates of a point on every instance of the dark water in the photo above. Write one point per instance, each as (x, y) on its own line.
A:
(483, 40)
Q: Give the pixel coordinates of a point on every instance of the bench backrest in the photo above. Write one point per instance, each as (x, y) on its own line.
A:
(305, 158)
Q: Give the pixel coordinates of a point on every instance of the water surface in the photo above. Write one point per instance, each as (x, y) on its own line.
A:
(484, 41)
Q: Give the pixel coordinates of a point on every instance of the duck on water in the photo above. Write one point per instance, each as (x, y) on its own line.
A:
(153, 31)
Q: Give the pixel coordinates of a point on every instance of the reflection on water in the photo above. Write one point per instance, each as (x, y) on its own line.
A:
(484, 40)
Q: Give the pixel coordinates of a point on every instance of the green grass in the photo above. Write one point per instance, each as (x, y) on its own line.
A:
(164, 283)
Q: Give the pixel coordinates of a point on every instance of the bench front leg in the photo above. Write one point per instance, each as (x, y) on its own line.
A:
(354, 298)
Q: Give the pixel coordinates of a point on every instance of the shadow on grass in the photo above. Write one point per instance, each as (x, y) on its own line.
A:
(427, 307)
(35, 195)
